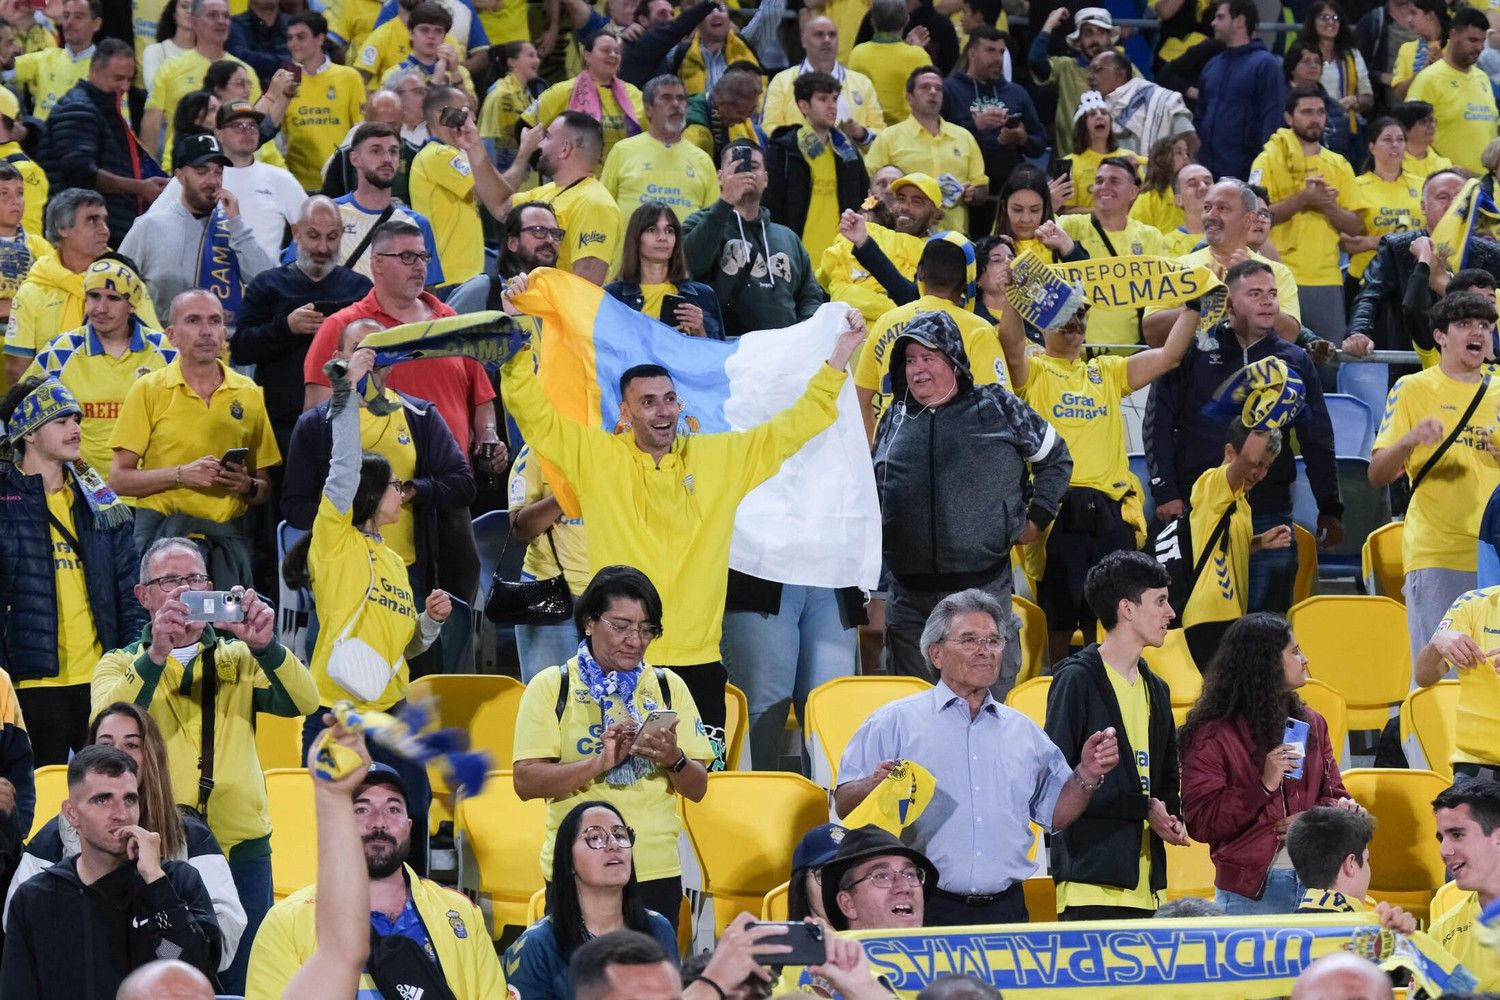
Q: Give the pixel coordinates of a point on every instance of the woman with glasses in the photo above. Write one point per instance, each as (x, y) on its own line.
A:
(804, 893)
(586, 731)
(1344, 76)
(184, 836)
(653, 268)
(367, 613)
(1242, 781)
(592, 890)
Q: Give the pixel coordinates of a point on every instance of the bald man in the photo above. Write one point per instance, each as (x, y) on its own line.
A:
(166, 979)
(860, 116)
(1342, 976)
(285, 305)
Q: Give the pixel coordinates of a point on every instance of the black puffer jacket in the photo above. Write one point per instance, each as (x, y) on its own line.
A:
(790, 192)
(28, 590)
(959, 481)
(85, 134)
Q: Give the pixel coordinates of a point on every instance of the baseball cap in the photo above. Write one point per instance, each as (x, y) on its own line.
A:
(923, 183)
(818, 846)
(10, 107)
(230, 110)
(197, 149)
(385, 774)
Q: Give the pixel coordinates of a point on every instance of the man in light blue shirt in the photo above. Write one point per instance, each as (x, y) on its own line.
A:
(996, 770)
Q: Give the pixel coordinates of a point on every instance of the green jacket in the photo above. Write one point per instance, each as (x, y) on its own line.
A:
(759, 270)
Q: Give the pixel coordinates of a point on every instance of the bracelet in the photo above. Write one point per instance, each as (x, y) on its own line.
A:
(716, 987)
(179, 475)
(1084, 785)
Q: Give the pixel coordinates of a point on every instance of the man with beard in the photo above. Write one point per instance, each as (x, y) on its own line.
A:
(531, 239)
(571, 146)
(1462, 100)
(424, 937)
(130, 904)
(375, 155)
(167, 246)
(1094, 32)
(657, 165)
(916, 207)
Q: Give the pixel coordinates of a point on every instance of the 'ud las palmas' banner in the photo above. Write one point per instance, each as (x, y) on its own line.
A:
(1215, 958)
(1047, 295)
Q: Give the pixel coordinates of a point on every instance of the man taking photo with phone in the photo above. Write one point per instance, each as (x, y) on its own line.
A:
(229, 659)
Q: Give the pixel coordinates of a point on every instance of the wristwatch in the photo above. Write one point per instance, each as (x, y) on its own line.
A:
(682, 762)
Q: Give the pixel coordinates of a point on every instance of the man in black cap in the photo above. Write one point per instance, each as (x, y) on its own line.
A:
(424, 936)
(875, 882)
(168, 245)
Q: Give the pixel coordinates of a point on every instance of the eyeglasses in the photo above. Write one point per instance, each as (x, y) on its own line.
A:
(241, 125)
(598, 838)
(545, 233)
(884, 878)
(191, 580)
(1329, 18)
(409, 257)
(400, 484)
(970, 643)
(622, 629)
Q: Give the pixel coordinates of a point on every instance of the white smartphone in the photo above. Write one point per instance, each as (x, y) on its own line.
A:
(657, 721)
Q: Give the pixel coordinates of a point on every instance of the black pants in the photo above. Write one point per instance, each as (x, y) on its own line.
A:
(1105, 913)
(943, 909)
(1088, 527)
(705, 682)
(57, 720)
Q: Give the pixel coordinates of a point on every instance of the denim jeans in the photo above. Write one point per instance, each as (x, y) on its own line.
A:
(252, 880)
(1273, 572)
(1283, 895)
(777, 659)
(541, 646)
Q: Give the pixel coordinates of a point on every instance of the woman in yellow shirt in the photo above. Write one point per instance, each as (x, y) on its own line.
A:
(1429, 19)
(652, 266)
(368, 620)
(1392, 198)
(1026, 217)
(1156, 204)
(1093, 140)
(598, 92)
(508, 99)
(1421, 128)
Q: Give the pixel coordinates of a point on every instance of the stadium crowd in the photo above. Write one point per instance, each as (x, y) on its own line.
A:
(1042, 232)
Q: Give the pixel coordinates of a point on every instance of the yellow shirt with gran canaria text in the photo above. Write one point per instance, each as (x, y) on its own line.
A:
(1081, 399)
(328, 104)
(981, 344)
(1107, 324)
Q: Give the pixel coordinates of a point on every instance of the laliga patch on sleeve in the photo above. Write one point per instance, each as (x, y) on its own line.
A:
(460, 165)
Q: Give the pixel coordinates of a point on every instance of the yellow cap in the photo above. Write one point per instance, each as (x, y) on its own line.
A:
(10, 107)
(923, 183)
(897, 801)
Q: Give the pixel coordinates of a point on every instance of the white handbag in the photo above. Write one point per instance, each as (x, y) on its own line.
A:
(355, 665)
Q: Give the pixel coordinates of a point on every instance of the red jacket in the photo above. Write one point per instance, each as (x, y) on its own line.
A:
(1225, 805)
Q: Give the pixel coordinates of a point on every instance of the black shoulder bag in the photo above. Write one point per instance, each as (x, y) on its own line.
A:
(528, 602)
(207, 711)
(1458, 428)
(401, 969)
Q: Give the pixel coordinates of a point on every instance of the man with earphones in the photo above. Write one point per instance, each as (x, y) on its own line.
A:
(964, 472)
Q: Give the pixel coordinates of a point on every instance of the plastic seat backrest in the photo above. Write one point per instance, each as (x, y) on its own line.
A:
(837, 708)
(1033, 637)
(1173, 663)
(1030, 699)
(736, 727)
(51, 788)
(1327, 702)
(1404, 860)
(278, 741)
(294, 829)
(1360, 647)
(504, 836)
(1381, 565)
(774, 906)
(1353, 424)
(1190, 871)
(1431, 715)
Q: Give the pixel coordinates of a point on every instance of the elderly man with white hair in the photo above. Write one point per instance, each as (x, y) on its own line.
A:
(996, 770)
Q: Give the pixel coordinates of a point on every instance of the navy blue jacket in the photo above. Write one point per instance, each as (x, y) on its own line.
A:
(1181, 445)
(28, 588)
(443, 478)
(260, 46)
(695, 292)
(263, 339)
(84, 135)
(961, 92)
(1241, 95)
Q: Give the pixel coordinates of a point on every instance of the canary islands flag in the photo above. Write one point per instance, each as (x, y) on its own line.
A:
(815, 523)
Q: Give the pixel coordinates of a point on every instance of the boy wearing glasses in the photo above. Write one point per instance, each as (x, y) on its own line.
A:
(1111, 863)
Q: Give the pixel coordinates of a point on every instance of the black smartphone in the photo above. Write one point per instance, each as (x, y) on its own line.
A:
(1061, 166)
(293, 69)
(453, 117)
(805, 940)
(1012, 121)
(744, 159)
(329, 306)
(236, 456)
(669, 304)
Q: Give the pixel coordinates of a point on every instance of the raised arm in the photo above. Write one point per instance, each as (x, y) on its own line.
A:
(1147, 366)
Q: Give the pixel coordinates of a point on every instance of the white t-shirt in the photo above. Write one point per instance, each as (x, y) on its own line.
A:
(269, 196)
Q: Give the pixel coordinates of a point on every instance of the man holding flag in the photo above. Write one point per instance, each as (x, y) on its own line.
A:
(653, 498)
(200, 242)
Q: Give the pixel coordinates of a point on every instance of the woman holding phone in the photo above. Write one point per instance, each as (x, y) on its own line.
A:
(1242, 782)
(592, 891)
(1026, 215)
(584, 732)
(654, 276)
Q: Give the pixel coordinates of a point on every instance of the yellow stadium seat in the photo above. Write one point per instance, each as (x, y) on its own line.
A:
(278, 741)
(736, 727)
(774, 905)
(740, 860)
(503, 837)
(482, 705)
(1174, 664)
(1405, 866)
(537, 908)
(51, 789)
(1040, 893)
(1307, 564)
(1359, 646)
(839, 707)
(1430, 715)
(1327, 702)
(1380, 562)
(1033, 638)
(294, 830)
(1030, 699)
(1190, 871)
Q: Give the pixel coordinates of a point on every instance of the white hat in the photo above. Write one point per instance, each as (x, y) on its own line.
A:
(1094, 15)
(1090, 100)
